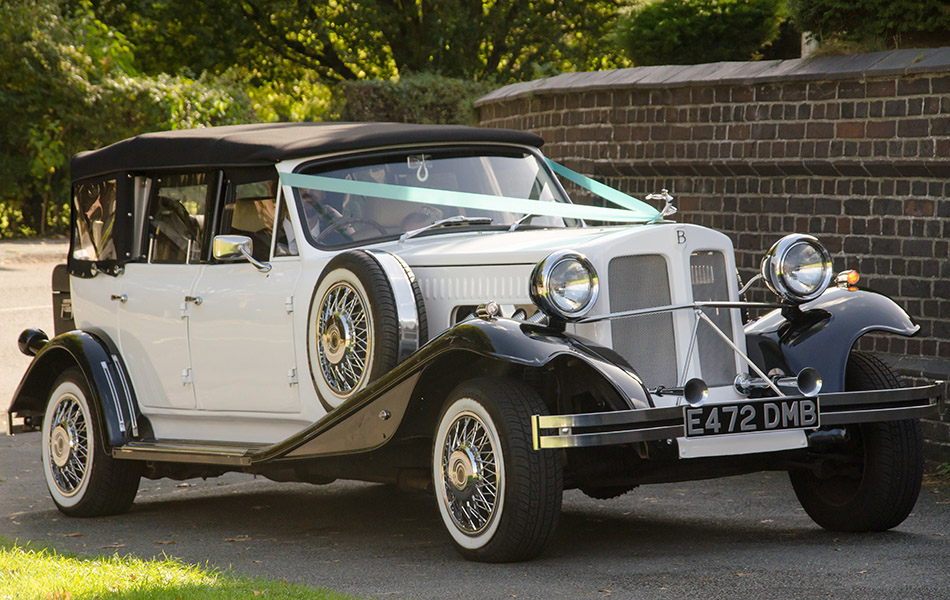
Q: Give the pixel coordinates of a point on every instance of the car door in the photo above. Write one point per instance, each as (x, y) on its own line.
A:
(155, 299)
(241, 333)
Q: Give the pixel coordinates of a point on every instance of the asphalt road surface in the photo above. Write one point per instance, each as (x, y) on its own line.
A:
(738, 537)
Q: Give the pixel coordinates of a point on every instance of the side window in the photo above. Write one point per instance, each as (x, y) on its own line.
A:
(177, 209)
(250, 210)
(286, 241)
(95, 207)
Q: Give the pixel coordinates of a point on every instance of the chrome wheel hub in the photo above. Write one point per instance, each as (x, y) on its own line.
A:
(343, 339)
(60, 446)
(462, 473)
(68, 445)
(337, 338)
(469, 473)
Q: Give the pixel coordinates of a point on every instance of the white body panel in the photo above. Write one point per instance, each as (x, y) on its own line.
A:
(241, 338)
(153, 333)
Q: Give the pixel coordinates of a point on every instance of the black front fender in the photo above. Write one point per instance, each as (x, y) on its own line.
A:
(370, 419)
(822, 332)
(105, 374)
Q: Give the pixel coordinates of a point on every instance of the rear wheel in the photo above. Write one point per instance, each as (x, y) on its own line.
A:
(498, 497)
(876, 486)
(82, 478)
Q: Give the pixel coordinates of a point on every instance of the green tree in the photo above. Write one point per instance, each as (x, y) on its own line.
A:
(504, 40)
(664, 32)
(875, 24)
(67, 83)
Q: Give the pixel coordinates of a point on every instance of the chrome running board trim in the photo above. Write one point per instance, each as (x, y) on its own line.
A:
(184, 451)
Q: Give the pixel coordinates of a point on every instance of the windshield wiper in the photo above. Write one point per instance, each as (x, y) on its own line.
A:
(523, 219)
(447, 222)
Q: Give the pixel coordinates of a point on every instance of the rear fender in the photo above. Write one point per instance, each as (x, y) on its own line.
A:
(822, 333)
(105, 374)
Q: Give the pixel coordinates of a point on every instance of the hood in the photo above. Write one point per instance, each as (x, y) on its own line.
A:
(500, 247)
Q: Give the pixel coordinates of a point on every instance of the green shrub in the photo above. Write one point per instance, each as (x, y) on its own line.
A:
(416, 98)
(67, 84)
(678, 32)
(874, 24)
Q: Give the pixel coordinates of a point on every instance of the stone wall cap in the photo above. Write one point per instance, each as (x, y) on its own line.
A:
(908, 61)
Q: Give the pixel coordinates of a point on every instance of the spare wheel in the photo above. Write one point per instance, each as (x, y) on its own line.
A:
(366, 316)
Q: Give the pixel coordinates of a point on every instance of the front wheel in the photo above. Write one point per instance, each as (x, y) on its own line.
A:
(82, 478)
(498, 497)
(876, 485)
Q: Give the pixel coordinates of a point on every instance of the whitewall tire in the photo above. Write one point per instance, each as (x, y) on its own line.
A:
(82, 478)
(498, 498)
(353, 327)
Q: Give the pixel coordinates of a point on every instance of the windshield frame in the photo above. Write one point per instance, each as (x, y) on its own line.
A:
(321, 164)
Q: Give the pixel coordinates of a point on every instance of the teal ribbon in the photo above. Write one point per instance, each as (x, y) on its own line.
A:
(634, 211)
(606, 192)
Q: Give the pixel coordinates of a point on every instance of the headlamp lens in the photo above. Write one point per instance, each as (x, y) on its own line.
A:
(570, 285)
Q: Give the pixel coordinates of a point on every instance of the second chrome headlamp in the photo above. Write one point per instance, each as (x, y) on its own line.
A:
(797, 267)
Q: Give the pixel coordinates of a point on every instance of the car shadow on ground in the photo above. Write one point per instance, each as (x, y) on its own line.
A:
(349, 518)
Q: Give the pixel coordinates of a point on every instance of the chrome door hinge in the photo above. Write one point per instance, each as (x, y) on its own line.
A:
(186, 377)
(292, 376)
(289, 304)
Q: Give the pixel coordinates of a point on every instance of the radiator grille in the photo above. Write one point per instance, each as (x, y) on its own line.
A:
(646, 341)
(708, 275)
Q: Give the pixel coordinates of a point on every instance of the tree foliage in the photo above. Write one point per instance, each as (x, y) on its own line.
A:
(414, 98)
(67, 83)
(875, 23)
(501, 40)
(663, 32)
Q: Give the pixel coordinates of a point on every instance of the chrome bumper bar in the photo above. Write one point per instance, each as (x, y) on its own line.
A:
(649, 424)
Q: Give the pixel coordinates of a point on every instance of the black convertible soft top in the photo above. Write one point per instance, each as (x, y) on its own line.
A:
(268, 143)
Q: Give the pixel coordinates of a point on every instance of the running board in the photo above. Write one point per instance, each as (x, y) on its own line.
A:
(186, 451)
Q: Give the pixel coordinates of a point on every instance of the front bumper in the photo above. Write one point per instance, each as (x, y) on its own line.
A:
(667, 423)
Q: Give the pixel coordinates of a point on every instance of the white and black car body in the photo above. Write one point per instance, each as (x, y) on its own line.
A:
(247, 349)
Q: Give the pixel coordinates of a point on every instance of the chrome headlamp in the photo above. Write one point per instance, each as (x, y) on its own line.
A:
(564, 285)
(797, 267)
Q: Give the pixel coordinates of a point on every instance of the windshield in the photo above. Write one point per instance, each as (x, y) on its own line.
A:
(334, 220)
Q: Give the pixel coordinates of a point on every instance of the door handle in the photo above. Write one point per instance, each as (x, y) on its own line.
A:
(123, 298)
(196, 299)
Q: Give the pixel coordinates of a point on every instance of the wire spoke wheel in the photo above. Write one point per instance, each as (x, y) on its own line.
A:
(360, 326)
(470, 482)
(81, 476)
(343, 338)
(68, 445)
(498, 498)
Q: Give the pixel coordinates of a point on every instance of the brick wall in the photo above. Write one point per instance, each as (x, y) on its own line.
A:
(854, 150)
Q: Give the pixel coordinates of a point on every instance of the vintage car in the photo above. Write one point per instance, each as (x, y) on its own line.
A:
(424, 306)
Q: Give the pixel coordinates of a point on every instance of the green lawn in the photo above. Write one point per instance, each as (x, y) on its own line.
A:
(29, 572)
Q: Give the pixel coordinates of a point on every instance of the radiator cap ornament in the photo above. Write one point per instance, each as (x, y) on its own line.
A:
(669, 210)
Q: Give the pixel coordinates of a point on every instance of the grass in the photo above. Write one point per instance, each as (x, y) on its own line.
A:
(28, 572)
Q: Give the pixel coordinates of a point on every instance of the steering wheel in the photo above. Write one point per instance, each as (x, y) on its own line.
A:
(340, 226)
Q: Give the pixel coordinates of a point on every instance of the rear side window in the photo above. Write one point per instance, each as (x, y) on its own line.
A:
(94, 205)
(176, 220)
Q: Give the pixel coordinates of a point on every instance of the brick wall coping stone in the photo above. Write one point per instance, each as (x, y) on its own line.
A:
(861, 66)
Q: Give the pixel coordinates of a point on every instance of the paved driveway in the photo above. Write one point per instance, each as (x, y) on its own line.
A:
(739, 537)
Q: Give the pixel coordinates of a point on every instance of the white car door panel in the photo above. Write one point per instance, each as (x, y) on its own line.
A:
(153, 333)
(242, 338)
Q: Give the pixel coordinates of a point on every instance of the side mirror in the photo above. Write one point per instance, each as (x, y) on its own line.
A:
(227, 247)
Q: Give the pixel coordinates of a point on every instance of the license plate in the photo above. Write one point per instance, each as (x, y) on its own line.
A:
(751, 417)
